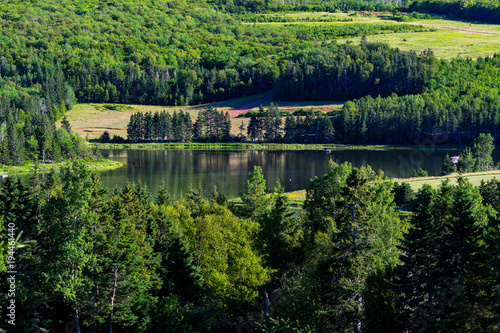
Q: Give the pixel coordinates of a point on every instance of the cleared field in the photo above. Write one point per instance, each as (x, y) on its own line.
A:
(454, 37)
(93, 119)
(446, 44)
(298, 197)
(474, 178)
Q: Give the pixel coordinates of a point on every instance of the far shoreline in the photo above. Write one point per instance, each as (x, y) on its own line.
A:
(267, 146)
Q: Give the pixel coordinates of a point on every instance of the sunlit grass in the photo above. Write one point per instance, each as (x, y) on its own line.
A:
(31, 167)
(445, 44)
(93, 119)
(474, 178)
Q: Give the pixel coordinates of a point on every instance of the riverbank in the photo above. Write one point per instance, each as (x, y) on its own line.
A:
(28, 168)
(264, 146)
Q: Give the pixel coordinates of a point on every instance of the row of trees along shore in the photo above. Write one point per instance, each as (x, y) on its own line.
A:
(124, 260)
(212, 125)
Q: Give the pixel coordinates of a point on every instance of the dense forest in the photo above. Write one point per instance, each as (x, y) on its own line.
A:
(93, 260)
(151, 52)
(28, 133)
(54, 54)
(459, 102)
(476, 10)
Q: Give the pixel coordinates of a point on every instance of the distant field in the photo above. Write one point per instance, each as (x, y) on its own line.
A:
(454, 37)
(474, 178)
(93, 119)
(446, 44)
(298, 197)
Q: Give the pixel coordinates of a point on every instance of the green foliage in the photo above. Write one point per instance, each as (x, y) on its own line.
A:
(420, 173)
(104, 138)
(340, 72)
(255, 201)
(482, 11)
(482, 148)
(454, 108)
(467, 161)
(354, 231)
(403, 194)
(442, 256)
(279, 233)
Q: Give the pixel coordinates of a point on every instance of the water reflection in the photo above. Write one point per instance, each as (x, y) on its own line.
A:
(228, 170)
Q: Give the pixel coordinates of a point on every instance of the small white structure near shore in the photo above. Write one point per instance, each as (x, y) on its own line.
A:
(454, 159)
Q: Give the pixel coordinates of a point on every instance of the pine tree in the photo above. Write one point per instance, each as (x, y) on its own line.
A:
(278, 231)
(289, 129)
(66, 247)
(255, 200)
(357, 235)
(66, 125)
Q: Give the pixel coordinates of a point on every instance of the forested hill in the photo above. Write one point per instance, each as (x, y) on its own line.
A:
(151, 52)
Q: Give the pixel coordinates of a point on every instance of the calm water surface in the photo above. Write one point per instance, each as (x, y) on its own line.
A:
(228, 170)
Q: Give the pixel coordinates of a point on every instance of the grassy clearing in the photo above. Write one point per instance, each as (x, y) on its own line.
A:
(93, 119)
(446, 44)
(474, 178)
(454, 37)
(27, 168)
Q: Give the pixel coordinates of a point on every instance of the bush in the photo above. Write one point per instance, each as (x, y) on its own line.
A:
(117, 139)
(448, 167)
(420, 173)
(104, 138)
(403, 194)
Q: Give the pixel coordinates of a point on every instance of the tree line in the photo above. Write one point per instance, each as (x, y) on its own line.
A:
(28, 132)
(125, 260)
(458, 103)
(211, 125)
(346, 71)
(482, 11)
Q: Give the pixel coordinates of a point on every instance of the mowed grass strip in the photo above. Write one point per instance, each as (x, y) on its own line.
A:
(474, 178)
(100, 165)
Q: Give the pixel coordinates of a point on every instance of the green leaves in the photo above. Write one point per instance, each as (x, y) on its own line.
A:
(444, 252)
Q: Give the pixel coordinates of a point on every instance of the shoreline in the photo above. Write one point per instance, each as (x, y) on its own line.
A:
(267, 146)
(101, 165)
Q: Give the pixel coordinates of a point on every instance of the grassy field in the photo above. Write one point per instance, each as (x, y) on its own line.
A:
(474, 178)
(446, 44)
(93, 119)
(454, 37)
(298, 197)
(27, 168)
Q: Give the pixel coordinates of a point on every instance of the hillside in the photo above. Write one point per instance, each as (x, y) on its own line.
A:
(54, 54)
